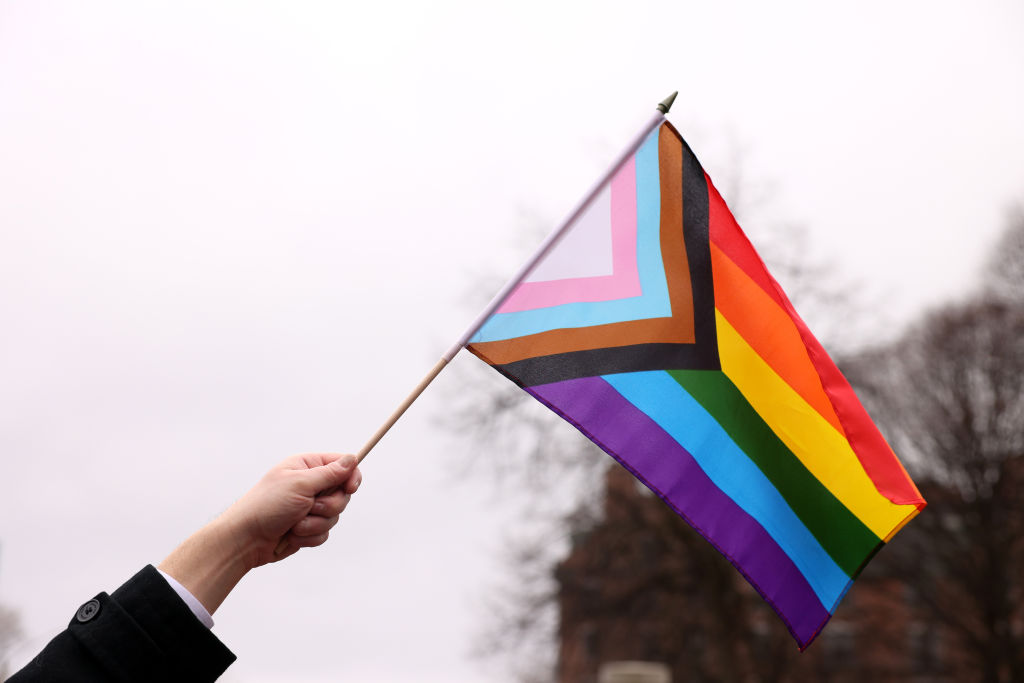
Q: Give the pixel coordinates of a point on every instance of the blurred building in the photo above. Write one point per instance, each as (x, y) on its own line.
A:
(640, 585)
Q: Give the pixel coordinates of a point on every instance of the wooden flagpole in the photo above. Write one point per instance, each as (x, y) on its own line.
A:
(402, 407)
(543, 250)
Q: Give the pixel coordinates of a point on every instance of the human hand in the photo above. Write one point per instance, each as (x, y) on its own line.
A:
(293, 506)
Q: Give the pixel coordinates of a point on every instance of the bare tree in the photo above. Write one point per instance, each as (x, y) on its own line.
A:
(1005, 273)
(10, 634)
(549, 470)
(951, 393)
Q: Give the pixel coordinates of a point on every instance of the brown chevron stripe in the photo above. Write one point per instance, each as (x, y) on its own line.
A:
(677, 329)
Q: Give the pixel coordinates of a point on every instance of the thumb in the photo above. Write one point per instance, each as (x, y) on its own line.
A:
(331, 474)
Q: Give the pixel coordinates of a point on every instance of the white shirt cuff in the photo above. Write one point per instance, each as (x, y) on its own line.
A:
(189, 599)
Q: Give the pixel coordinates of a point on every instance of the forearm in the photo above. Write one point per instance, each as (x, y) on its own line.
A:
(209, 563)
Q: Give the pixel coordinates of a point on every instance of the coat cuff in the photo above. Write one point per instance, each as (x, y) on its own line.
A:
(144, 631)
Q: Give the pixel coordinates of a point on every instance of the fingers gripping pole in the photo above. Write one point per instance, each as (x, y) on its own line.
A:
(379, 434)
(403, 406)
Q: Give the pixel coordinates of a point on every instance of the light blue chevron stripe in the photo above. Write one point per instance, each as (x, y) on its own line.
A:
(654, 301)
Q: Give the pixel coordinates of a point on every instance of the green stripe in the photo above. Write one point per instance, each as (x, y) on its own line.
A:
(840, 532)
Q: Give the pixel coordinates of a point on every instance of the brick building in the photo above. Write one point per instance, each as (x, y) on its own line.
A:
(639, 584)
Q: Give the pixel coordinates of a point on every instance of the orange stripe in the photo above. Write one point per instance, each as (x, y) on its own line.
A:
(770, 331)
(878, 460)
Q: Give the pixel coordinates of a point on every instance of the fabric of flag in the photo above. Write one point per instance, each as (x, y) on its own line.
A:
(654, 327)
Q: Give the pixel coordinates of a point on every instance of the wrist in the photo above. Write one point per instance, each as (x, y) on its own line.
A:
(209, 563)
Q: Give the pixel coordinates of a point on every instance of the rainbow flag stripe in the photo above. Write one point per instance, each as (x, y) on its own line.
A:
(655, 329)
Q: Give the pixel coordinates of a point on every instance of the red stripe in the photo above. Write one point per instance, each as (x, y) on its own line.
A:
(878, 460)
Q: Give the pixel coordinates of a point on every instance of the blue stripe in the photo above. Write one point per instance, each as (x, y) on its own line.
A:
(654, 301)
(686, 421)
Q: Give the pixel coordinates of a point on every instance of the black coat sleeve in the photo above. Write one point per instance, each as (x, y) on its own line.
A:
(142, 632)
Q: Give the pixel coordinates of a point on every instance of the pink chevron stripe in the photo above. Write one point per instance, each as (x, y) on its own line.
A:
(624, 281)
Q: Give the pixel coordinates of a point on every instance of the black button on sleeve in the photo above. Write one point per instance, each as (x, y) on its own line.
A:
(88, 611)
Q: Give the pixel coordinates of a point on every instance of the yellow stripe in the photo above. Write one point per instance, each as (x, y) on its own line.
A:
(820, 447)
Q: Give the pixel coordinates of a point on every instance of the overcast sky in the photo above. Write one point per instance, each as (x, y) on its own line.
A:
(233, 231)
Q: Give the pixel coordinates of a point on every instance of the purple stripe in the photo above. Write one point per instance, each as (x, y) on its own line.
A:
(654, 457)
